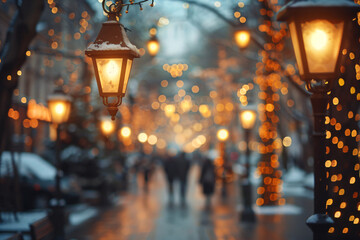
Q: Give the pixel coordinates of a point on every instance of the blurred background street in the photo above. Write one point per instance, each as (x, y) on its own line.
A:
(148, 215)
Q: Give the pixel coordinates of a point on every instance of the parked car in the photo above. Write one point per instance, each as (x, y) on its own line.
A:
(36, 179)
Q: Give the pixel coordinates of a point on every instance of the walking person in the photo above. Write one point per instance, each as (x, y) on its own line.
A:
(182, 167)
(169, 165)
(207, 181)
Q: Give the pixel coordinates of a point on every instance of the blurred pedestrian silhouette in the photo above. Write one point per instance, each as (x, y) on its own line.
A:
(182, 168)
(207, 180)
(170, 172)
(146, 169)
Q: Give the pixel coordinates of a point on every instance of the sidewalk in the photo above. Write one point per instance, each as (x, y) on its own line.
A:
(78, 214)
(148, 216)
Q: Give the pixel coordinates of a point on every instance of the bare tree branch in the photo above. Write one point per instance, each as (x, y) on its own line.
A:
(21, 32)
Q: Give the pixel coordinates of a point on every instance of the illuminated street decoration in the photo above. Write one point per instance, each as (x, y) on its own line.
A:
(112, 55)
(317, 31)
(59, 105)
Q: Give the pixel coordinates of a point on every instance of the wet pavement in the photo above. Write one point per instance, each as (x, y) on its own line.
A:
(148, 216)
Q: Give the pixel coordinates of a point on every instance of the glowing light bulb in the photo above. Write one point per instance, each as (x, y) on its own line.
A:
(59, 108)
(319, 39)
(112, 70)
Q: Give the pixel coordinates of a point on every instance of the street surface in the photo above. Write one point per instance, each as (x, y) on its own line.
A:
(148, 216)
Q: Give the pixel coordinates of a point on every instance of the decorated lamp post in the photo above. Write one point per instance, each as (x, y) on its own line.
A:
(222, 135)
(247, 120)
(112, 55)
(59, 105)
(317, 31)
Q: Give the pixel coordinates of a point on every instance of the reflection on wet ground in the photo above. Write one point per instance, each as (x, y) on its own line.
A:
(140, 215)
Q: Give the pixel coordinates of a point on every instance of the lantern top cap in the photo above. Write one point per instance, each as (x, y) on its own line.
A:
(112, 37)
(59, 95)
(314, 9)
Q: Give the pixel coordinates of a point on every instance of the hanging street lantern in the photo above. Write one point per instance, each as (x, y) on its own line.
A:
(317, 29)
(242, 37)
(59, 105)
(112, 55)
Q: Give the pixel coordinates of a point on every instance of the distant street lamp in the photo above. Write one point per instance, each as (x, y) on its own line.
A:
(107, 126)
(317, 31)
(59, 105)
(247, 120)
(112, 55)
(222, 135)
(125, 132)
(242, 37)
(153, 46)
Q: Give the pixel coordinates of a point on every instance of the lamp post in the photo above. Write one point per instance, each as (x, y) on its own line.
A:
(153, 44)
(112, 55)
(317, 31)
(59, 105)
(222, 135)
(247, 119)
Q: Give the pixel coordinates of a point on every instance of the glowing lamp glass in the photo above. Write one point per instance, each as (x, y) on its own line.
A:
(322, 42)
(59, 109)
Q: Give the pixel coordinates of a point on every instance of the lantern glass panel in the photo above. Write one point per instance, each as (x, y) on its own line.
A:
(59, 110)
(322, 41)
(296, 45)
(127, 75)
(109, 70)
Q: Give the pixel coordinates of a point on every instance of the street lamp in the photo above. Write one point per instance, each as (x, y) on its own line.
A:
(107, 126)
(317, 31)
(242, 37)
(59, 105)
(153, 46)
(112, 55)
(222, 135)
(247, 120)
(125, 132)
